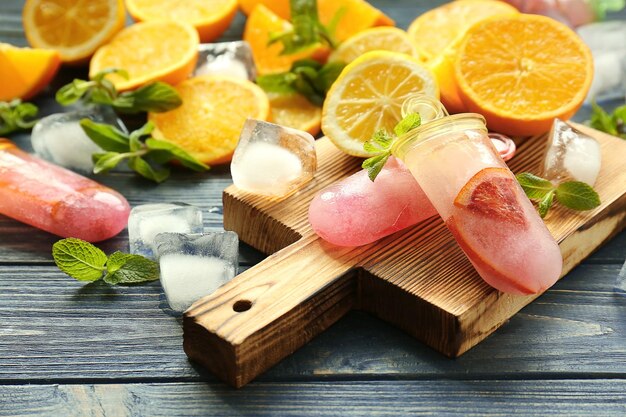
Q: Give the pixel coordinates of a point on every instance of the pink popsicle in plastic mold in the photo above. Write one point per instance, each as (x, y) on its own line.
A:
(57, 200)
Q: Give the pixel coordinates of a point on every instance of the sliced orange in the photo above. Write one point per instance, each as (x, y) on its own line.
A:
(210, 17)
(434, 30)
(368, 96)
(162, 50)
(295, 111)
(74, 28)
(521, 72)
(260, 24)
(279, 7)
(212, 115)
(379, 38)
(24, 71)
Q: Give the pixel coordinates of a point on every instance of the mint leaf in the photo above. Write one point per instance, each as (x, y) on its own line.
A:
(535, 187)
(156, 97)
(15, 115)
(176, 153)
(410, 122)
(577, 195)
(277, 83)
(104, 162)
(125, 268)
(545, 204)
(613, 124)
(375, 164)
(147, 171)
(106, 136)
(79, 259)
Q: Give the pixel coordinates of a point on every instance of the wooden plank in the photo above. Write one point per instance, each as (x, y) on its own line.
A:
(417, 279)
(54, 328)
(375, 398)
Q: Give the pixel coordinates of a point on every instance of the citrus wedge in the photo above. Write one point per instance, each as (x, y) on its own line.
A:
(379, 38)
(24, 71)
(434, 30)
(279, 7)
(295, 111)
(210, 17)
(74, 28)
(520, 72)
(210, 119)
(160, 50)
(368, 96)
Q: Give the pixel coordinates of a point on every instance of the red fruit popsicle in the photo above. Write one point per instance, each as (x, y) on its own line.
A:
(56, 200)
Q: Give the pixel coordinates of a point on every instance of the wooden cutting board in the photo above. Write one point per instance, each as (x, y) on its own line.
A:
(417, 279)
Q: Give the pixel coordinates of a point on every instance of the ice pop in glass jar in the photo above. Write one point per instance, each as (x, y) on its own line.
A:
(481, 203)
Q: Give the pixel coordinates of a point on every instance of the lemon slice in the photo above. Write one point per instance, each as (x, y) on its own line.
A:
(368, 96)
(380, 38)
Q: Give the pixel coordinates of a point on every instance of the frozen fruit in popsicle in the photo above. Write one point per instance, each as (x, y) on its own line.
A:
(56, 200)
(357, 211)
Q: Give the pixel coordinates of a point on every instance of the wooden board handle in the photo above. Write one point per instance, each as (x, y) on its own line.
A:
(272, 309)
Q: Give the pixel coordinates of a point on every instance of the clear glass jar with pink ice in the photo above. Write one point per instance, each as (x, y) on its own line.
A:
(481, 203)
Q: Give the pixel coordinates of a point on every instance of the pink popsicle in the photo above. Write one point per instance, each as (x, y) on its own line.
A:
(56, 200)
(357, 211)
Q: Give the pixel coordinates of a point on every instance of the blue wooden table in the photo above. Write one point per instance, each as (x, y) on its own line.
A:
(68, 349)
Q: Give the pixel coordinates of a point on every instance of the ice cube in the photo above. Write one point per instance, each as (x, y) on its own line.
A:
(226, 58)
(148, 220)
(571, 155)
(606, 41)
(193, 266)
(272, 160)
(59, 138)
(620, 284)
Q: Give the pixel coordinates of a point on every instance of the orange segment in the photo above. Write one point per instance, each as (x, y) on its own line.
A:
(295, 111)
(434, 30)
(368, 96)
(161, 50)
(210, 17)
(210, 119)
(267, 58)
(74, 28)
(521, 72)
(25, 71)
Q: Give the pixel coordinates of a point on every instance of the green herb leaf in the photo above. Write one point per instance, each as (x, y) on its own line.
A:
(79, 259)
(613, 124)
(144, 169)
(410, 122)
(106, 136)
(125, 268)
(577, 195)
(99, 77)
(545, 204)
(375, 164)
(535, 187)
(327, 75)
(156, 97)
(177, 153)
(74, 91)
(15, 115)
(277, 83)
(104, 162)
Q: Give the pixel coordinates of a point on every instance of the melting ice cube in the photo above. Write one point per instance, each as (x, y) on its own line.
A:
(59, 138)
(607, 43)
(571, 155)
(148, 220)
(272, 160)
(226, 58)
(193, 266)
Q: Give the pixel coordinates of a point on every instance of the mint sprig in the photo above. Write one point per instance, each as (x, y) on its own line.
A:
(85, 262)
(307, 77)
(143, 153)
(15, 115)
(380, 144)
(153, 97)
(307, 30)
(613, 124)
(575, 195)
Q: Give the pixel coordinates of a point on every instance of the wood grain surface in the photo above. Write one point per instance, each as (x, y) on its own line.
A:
(72, 350)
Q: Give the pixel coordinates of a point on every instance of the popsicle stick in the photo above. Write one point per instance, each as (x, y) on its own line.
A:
(417, 279)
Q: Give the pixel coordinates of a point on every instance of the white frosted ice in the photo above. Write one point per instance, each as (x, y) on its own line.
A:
(582, 160)
(266, 168)
(186, 278)
(152, 226)
(224, 65)
(226, 58)
(69, 146)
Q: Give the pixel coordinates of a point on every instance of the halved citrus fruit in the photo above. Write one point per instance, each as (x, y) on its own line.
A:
(74, 28)
(24, 71)
(295, 111)
(279, 7)
(210, 17)
(379, 38)
(368, 96)
(520, 72)
(434, 30)
(212, 115)
(491, 193)
(162, 50)
(267, 58)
